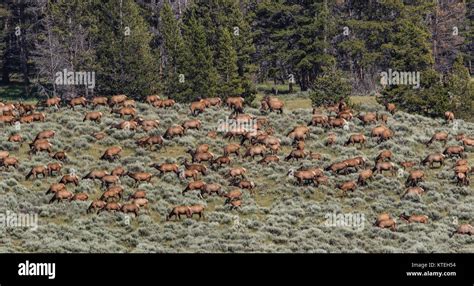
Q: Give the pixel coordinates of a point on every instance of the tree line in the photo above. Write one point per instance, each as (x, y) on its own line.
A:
(189, 49)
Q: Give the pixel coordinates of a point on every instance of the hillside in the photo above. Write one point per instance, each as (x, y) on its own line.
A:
(280, 217)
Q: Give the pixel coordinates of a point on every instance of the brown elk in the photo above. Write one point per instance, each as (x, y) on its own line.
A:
(464, 229)
(110, 207)
(10, 119)
(100, 100)
(407, 164)
(15, 138)
(337, 167)
(319, 120)
(303, 176)
(413, 191)
(269, 159)
(454, 151)
(117, 100)
(138, 194)
(232, 195)
(272, 104)
(198, 167)
(124, 111)
(111, 153)
(96, 205)
(184, 174)
(79, 197)
(462, 179)
(258, 150)
(364, 176)
(54, 101)
(197, 107)
(232, 148)
(384, 154)
(200, 157)
(166, 167)
(449, 116)
(39, 116)
(432, 158)
(438, 136)
(54, 167)
(77, 101)
(119, 171)
(130, 208)
(177, 211)
(296, 154)
(174, 131)
(41, 147)
(414, 218)
(139, 177)
(46, 134)
(194, 185)
(93, 116)
(60, 155)
(337, 122)
(238, 171)
(95, 174)
(148, 125)
(390, 107)
(109, 180)
(99, 135)
(61, 195)
(414, 177)
(221, 160)
(331, 139)
(236, 104)
(382, 117)
(368, 118)
(55, 187)
(356, 139)
(150, 141)
(384, 166)
(210, 189)
(152, 98)
(347, 186)
(37, 170)
(192, 124)
(196, 209)
(69, 179)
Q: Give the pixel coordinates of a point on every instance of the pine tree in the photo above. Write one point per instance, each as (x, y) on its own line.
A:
(173, 53)
(3, 42)
(126, 62)
(228, 83)
(217, 14)
(199, 70)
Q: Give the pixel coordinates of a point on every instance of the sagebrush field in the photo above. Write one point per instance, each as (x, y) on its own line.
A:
(280, 216)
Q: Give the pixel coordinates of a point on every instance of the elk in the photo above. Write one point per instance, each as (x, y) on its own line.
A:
(413, 191)
(464, 229)
(356, 138)
(438, 136)
(432, 158)
(177, 211)
(93, 116)
(452, 151)
(77, 101)
(111, 153)
(99, 100)
(96, 205)
(390, 107)
(414, 177)
(197, 107)
(384, 166)
(61, 195)
(174, 131)
(37, 170)
(272, 104)
(195, 185)
(192, 124)
(449, 116)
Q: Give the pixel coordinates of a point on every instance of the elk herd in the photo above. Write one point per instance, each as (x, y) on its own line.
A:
(251, 139)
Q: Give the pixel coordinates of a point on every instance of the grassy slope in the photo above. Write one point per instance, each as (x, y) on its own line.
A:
(279, 217)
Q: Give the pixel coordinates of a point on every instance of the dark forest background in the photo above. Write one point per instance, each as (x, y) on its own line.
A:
(186, 49)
